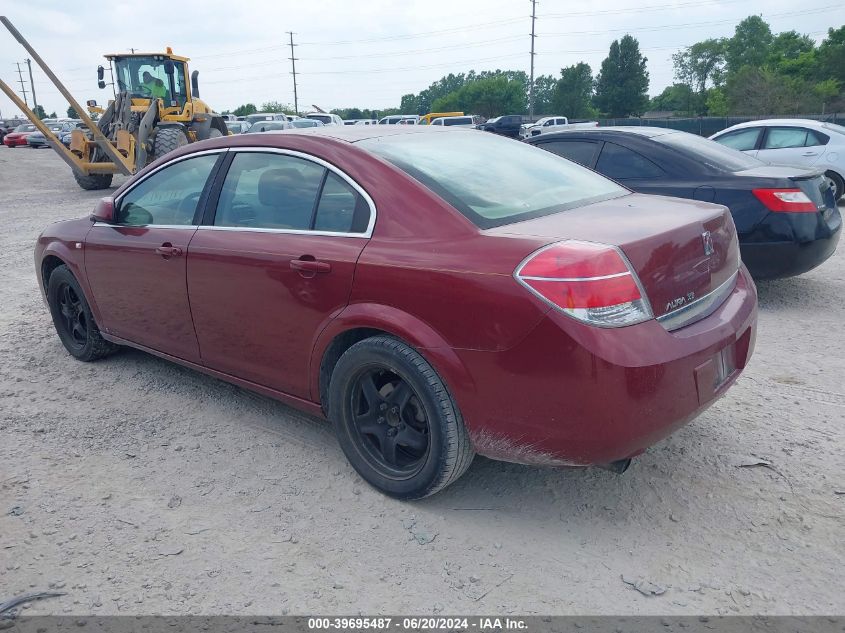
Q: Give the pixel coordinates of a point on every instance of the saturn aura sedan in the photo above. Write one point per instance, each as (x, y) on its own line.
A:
(403, 285)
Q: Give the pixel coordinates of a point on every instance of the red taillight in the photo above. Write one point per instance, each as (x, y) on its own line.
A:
(590, 282)
(785, 200)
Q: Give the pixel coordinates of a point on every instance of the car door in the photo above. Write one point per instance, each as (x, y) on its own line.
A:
(275, 264)
(136, 266)
(790, 145)
(744, 139)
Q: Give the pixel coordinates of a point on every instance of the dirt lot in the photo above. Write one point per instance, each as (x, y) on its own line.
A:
(136, 486)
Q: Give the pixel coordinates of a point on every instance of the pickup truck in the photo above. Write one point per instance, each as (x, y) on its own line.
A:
(507, 125)
(552, 124)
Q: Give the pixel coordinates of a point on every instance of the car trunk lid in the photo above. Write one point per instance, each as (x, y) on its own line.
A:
(681, 250)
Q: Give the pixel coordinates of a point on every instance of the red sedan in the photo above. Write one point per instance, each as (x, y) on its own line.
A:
(435, 293)
(18, 136)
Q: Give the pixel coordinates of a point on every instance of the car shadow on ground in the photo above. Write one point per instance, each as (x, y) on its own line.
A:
(504, 489)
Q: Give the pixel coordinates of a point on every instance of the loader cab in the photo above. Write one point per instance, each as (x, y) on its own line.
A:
(153, 76)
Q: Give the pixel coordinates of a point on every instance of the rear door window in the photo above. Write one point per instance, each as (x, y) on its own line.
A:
(582, 152)
(269, 191)
(622, 163)
(341, 209)
(744, 140)
(785, 137)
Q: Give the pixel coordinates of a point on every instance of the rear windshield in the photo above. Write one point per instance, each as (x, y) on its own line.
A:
(26, 127)
(713, 154)
(834, 127)
(493, 180)
(457, 121)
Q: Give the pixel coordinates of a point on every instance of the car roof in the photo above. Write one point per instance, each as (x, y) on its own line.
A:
(638, 130)
(781, 122)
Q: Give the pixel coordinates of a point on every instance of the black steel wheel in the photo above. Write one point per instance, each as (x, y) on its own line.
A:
(395, 420)
(390, 422)
(73, 319)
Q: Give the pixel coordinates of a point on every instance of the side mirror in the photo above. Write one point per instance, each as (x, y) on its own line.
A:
(100, 73)
(91, 103)
(104, 211)
(101, 84)
(168, 67)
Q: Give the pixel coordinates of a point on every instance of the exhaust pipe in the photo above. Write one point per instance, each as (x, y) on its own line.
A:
(618, 467)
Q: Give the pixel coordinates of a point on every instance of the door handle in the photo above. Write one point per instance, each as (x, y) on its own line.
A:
(810, 154)
(168, 250)
(310, 266)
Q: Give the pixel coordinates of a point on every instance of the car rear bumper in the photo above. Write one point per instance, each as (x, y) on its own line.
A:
(575, 395)
(14, 142)
(813, 241)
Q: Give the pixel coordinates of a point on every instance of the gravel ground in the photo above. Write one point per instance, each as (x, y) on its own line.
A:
(135, 486)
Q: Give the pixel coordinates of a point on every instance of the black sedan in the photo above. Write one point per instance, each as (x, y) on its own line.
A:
(786, 217)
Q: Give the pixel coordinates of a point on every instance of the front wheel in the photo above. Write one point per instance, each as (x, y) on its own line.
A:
(92, 182)
(395, 420)
(168, 139)
(73, 319)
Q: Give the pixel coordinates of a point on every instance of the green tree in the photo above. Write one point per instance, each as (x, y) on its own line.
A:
(622, 83)
(277, 106)
(717, 102)
(39, 112)
(674, 98)
(245, 109)
(71, 113)
(750, 45)
(545, 87)
(697, 66)
(790, 45)
(831, 55)
(574, 92)
(488, 96)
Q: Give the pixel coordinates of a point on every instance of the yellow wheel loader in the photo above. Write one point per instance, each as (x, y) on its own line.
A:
(156, 110)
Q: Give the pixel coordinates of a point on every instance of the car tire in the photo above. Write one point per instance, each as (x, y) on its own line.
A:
(72, 318)
(92, 182)
(395, 420)
(838, 183)
(168, 139)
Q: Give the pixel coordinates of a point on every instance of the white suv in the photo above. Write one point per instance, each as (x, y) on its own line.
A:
(325, 118)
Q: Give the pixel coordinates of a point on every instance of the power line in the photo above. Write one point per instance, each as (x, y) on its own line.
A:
(641, 9)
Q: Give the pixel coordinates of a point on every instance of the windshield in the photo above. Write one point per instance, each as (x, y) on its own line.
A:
(458, 121)
(144, 77)
(306, 123)
(713, 154)
(252, 118)
(493, 180)
(26, 127)
(323, 118)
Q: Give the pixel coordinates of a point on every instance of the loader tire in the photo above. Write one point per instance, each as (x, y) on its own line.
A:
(92, 182)
(166, 140)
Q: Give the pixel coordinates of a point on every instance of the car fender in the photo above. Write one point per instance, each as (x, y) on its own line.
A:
(402, 325)
(71, 251)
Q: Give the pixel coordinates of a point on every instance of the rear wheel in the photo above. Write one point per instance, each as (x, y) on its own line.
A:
(395, 420)
(168, 139)
(836, 181)
(93, 182)
(73, 319)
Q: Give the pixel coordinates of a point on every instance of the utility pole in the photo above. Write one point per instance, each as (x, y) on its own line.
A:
(531, 84)
(32, 84)
(293, 59)
(23, 86)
